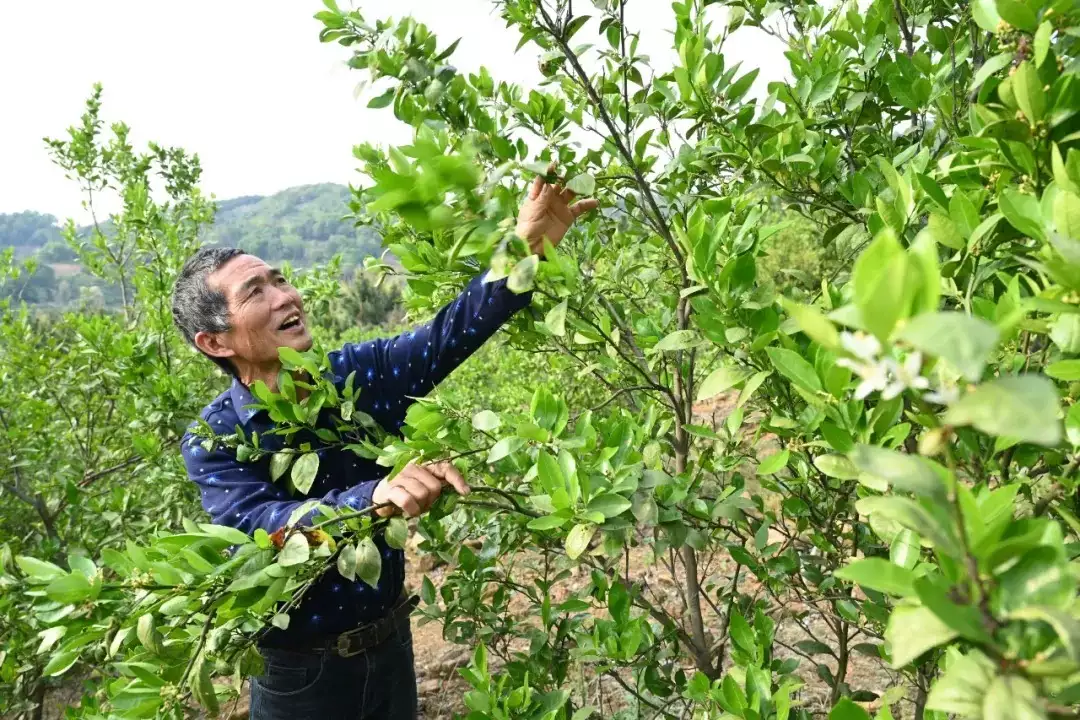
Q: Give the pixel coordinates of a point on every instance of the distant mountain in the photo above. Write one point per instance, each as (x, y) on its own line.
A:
(303, 224)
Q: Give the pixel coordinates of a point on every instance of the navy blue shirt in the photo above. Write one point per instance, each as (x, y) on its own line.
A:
(241, 494)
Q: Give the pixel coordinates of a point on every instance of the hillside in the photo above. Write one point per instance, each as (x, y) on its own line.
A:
(304, 225)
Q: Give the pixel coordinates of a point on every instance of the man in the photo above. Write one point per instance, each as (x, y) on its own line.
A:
(347, 652)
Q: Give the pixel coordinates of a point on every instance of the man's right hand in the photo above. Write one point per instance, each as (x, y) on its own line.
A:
(416, 488)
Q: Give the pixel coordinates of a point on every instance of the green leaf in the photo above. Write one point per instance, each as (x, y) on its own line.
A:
(845, 709)
(905, 643)
(486, 421)
(72, 588)
(881, 286)
(583, 184)
(1022, 211)
(965, 341)
(1065, 332)
(295, 358)
(1065, 625)
(396, 532)
(678, 340)
(774, 463)
(645, 509)
(934, 593)
(1064, 370)
(547, 522)
(346, 563)
(555, 320)
(990, 67)
(962, 688)
(816, 326)
(985, 14)
(280, 621)
(39, 569)
(550, 474)
(1042, 42)
(1029, 92)
(148, 634)
(295, 552)
(503, 448)
(368, 562)
(740, 86)
(577, 540)
(523, 274)
(304, 471)
(382, 100)
(609, 505)
(49, 637)
(909, 473)
(1017, 14)
(836, 466)
(279, 463)
(1011, 697)
(1072, 424)
(905, 549)
(881, 575)
(223, 532)
(824, 88)
(60, 663)
(1024, 407)
(1067, 214)
(794, 368)
(915, 517)
(721, 379)
(751, 387)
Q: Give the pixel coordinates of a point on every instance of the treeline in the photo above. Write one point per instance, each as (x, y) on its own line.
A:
(304, 225)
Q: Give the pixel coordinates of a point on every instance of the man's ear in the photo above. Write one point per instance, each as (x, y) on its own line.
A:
(211, 344)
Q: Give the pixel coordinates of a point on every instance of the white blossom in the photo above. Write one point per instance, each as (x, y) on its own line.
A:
(879, 373)
(904, 375)
(863, 346)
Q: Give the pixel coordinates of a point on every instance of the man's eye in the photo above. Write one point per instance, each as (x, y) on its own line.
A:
(255, 292)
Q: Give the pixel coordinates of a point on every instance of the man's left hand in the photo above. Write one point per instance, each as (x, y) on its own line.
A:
(549, 211)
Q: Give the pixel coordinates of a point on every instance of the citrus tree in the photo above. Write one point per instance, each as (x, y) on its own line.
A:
(768, 489)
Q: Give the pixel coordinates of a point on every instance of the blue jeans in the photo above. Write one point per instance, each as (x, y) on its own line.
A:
(377, 684)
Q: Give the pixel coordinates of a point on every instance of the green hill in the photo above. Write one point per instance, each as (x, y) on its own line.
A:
(304, 225)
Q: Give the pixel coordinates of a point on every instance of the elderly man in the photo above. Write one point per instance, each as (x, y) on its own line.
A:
(347, 652)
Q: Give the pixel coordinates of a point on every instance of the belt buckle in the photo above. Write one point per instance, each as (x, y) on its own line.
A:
(344, 644)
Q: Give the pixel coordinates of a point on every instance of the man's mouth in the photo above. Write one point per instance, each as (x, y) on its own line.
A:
(292, 322)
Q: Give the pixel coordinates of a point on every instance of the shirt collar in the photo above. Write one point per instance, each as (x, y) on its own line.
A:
(241, 397)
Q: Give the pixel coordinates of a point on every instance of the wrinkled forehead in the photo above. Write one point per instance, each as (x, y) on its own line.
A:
(240, 274)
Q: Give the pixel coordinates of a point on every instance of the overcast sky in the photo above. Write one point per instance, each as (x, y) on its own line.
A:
(244, 84)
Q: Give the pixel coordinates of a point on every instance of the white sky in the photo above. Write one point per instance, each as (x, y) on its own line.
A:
(246, 85)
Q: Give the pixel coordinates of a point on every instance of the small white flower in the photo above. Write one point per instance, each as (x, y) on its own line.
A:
(863, 346)
(880, 374)
(904, 376)
(874, 376)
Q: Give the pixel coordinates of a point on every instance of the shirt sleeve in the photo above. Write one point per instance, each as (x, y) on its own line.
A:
(390, 370)
(241, 495)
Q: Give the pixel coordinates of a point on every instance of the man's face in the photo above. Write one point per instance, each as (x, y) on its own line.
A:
(265, 312)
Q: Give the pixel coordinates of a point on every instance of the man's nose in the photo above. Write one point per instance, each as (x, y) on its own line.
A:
(281, 299)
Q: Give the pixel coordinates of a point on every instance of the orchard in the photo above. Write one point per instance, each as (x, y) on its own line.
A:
(705, 485)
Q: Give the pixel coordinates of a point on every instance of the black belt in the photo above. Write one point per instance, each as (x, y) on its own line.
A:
(361, 639)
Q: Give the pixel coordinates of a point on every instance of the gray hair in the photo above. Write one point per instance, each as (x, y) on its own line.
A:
(197, 307)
